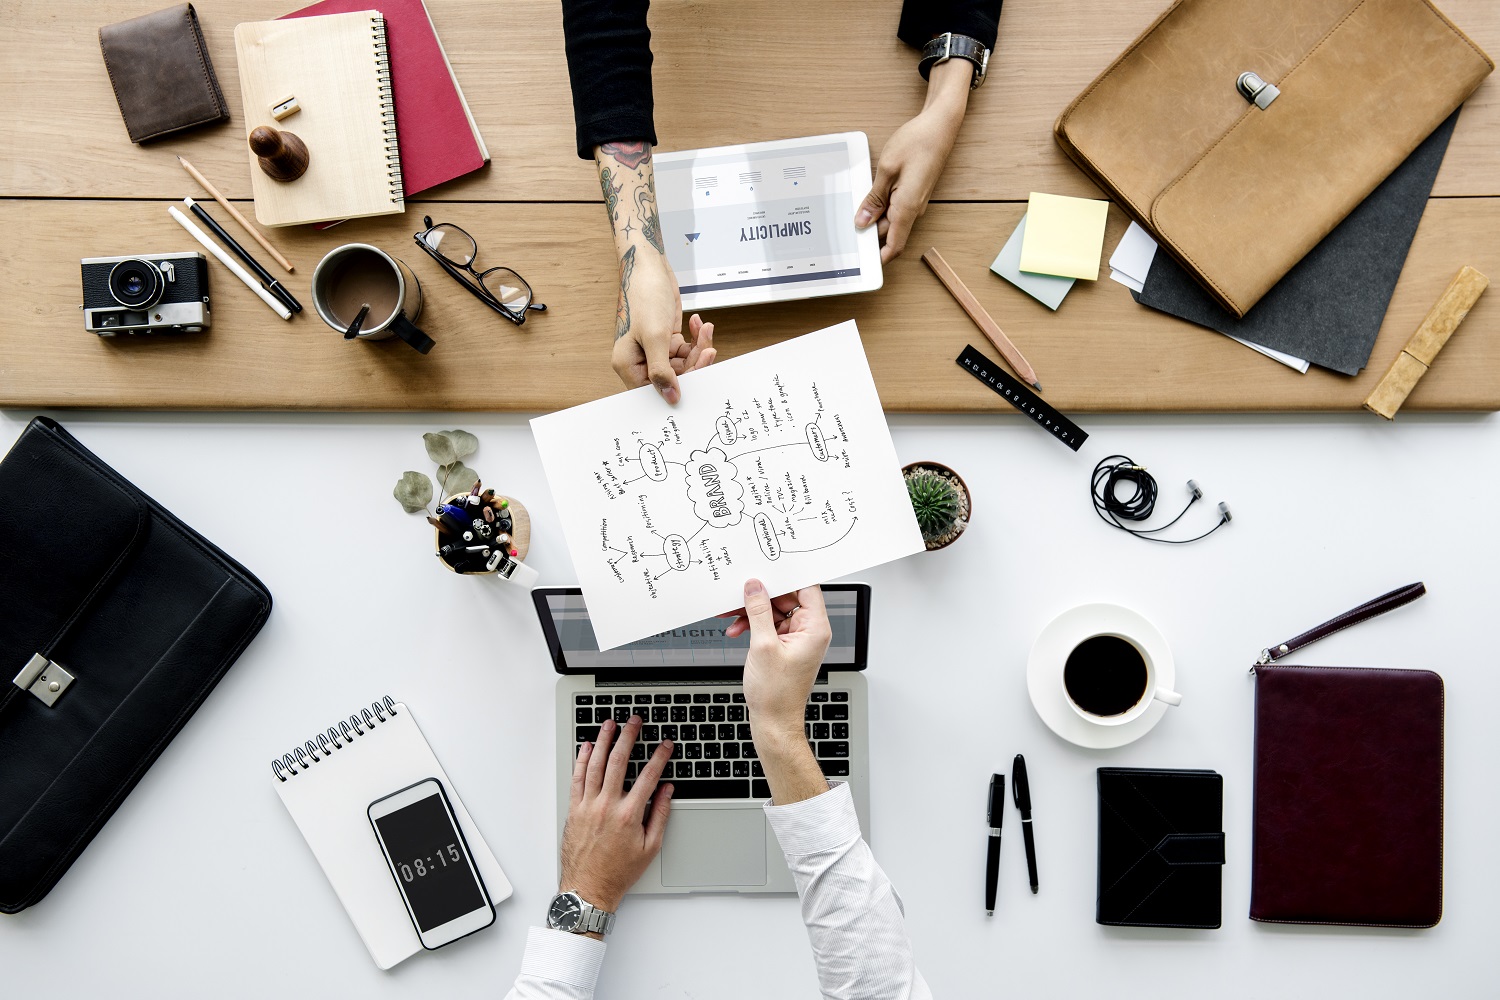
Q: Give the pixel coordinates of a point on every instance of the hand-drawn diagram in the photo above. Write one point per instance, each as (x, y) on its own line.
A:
(777, 464)
(771, 473)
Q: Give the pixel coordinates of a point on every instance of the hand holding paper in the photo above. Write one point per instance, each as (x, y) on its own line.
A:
(777, 464)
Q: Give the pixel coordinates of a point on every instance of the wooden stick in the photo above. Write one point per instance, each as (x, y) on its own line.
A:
(981, 319)
(1422, 349)
(245, 223)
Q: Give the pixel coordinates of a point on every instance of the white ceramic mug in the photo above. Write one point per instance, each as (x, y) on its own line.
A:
(1150, 692)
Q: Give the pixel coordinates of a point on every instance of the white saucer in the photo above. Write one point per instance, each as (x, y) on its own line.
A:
(1050, 653)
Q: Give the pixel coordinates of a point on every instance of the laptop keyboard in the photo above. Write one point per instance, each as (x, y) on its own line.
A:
(713, 756)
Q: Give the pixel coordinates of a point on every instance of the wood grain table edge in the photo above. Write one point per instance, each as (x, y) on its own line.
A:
(1139, 361)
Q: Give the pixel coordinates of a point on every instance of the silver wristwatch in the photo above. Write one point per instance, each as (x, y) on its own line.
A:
(569, 912)
(950, 46)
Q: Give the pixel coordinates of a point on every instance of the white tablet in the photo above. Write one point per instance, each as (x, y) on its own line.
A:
(768, 221)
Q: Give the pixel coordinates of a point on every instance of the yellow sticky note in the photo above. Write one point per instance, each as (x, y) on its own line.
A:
(1064, 236)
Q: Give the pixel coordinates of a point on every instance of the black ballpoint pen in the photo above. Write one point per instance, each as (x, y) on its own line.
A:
(1020, 788)
(273, 286)
(992, 857)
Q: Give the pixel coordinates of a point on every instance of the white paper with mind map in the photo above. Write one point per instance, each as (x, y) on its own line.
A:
(777, 464)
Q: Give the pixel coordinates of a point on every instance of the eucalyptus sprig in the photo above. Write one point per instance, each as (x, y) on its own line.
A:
(447, 449)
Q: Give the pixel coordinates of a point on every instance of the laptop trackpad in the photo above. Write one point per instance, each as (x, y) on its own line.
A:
(714, 847)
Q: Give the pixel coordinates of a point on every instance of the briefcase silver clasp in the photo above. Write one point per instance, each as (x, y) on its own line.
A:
(43, 678)
(1257, 91)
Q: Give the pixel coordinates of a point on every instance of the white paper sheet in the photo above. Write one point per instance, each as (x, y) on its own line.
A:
(777, 464)
(1300, 364)
(1133, 255)
(1131, 262)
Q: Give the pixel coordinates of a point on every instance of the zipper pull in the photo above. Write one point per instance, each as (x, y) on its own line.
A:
(1366, 611)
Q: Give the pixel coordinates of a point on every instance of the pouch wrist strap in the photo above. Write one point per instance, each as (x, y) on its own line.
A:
(1366, 611)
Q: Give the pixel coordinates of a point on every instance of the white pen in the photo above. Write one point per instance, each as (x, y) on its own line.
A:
(229, 262)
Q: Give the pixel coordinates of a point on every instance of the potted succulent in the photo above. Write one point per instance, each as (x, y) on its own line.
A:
(940, 499)
(477, 531)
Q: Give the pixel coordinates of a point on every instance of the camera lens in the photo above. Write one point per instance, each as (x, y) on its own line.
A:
(136, 283)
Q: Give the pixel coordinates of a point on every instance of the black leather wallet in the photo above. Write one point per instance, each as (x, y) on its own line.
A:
(1161, 847)
(117, 621)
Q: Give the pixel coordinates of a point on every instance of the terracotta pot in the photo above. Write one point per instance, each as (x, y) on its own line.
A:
(966, 502)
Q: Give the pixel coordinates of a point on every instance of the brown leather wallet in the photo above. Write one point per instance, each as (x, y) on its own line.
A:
(159, 68)
(1239, 133)
(1348, 802)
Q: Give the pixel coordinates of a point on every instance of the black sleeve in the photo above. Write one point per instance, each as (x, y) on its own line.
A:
(921, 19)
(609, 66)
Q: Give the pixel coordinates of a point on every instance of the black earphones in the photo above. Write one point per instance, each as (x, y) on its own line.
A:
(1140, 503)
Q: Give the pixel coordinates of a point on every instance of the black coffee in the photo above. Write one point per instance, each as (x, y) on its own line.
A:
(1105, 675)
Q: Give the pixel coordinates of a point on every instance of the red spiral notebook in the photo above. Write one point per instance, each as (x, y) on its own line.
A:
(434, 127)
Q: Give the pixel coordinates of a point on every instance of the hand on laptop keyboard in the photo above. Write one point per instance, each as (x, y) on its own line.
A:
(612, 834)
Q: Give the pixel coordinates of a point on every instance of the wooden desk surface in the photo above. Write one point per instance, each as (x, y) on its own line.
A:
(72, 185)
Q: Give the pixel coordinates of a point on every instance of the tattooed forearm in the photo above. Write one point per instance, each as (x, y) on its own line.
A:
(627, 179)
(622, 311)
(645, 206)
(611, 194)
(629, 154)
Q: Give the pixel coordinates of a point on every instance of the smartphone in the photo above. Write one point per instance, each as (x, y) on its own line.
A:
(430, 861)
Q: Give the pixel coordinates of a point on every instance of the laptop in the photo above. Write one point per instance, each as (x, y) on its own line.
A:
(685, 685)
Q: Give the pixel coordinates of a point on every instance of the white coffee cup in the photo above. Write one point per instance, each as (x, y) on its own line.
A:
(1090, 668)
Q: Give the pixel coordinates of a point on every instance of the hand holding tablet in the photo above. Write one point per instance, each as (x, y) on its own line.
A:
(768, 221)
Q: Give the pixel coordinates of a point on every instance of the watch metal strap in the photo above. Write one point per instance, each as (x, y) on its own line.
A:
(951, 46)
(596, 921)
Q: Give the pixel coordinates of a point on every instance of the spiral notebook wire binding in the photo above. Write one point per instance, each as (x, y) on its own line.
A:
(335, 738)
(388, 110)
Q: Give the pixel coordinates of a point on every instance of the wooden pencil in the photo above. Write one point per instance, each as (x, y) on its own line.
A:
(981, 319)
(245, 223)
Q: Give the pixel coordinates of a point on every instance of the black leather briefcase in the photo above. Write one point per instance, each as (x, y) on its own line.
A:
(116, 621)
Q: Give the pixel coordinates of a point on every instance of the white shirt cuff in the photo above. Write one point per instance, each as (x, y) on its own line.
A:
(815, 825)
(562, 957)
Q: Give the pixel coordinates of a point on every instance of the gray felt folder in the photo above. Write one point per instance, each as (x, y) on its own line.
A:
(1328, 309)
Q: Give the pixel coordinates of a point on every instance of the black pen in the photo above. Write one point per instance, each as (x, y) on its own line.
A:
(1020, 788)
(992, 857)
(271, 284)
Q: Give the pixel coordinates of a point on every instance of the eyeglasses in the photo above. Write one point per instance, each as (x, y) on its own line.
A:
(500, 288)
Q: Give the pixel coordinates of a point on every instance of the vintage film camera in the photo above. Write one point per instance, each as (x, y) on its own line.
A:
(160, 293)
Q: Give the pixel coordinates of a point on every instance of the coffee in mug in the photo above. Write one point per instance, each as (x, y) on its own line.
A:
(1110, 680)
(1105, 675)
(357, 274)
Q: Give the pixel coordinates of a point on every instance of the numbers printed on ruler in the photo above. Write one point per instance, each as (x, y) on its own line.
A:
(1022, 398)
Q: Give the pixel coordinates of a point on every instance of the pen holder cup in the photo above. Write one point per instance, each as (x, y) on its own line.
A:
(520, 540)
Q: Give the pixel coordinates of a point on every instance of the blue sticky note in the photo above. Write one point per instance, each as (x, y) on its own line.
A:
(1045, 288)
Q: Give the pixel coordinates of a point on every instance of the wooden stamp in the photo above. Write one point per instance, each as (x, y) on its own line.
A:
(282, 155)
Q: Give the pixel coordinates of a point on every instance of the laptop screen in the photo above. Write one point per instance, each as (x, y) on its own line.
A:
(570, 634)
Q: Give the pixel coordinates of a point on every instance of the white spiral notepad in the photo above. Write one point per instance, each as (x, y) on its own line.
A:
(327, 784)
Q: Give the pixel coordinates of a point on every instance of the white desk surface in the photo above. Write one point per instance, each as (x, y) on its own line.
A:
(201, 885)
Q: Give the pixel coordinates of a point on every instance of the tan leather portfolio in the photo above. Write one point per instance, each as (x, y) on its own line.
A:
(1239, 133)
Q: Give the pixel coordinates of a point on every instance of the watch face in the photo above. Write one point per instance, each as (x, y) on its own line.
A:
(565, 912)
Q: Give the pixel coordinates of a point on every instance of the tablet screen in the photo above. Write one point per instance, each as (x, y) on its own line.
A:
(764, 222)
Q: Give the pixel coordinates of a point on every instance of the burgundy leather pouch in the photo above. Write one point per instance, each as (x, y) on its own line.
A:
(1348, 802)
